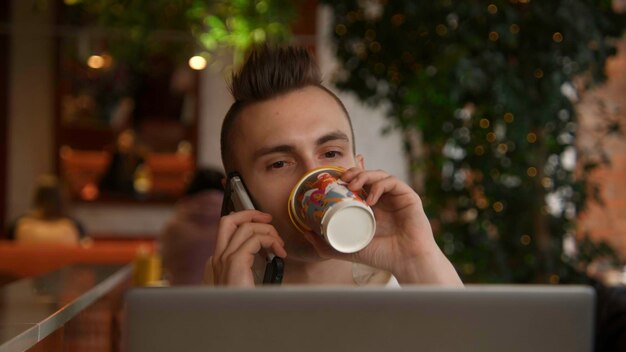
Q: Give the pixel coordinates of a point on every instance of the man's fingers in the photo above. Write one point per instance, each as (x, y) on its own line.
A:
(356, 172)
(243, 256)
(228, 226)
(377, 182)
(380, 187)
(246, 231)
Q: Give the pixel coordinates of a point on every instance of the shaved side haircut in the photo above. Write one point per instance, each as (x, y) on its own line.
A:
(267, 73)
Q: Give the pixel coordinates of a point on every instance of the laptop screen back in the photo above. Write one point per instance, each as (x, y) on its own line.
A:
(477, 318)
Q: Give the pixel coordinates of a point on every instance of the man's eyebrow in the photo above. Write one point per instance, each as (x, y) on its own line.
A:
(283, 148)
(287, 148)
(333, 136)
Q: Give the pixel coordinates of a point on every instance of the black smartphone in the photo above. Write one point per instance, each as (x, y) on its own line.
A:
(268, 268)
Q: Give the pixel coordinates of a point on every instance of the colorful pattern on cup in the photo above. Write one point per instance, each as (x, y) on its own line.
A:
(316, 194)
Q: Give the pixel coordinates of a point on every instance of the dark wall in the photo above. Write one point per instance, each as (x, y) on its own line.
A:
(5, 10)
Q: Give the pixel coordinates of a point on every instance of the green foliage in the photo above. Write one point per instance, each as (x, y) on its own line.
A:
(491, 87)
(146, 27)
(133, 31)
(241, 23)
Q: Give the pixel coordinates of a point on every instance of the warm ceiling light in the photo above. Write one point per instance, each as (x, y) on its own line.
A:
(197, 62)
(95, 61)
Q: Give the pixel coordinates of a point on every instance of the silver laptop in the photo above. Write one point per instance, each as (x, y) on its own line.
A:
(477, 318)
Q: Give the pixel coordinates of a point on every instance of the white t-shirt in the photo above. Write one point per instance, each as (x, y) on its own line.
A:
(362, 275)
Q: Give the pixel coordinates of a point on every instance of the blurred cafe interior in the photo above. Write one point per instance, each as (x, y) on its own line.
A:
(110, 117)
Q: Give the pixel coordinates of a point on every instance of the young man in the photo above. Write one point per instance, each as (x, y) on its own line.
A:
(282, 124)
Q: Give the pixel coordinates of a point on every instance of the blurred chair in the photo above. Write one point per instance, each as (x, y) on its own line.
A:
(82, 170)
(169, 172)
(162, 135)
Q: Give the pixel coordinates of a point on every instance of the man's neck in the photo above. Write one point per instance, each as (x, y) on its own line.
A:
(328, 272)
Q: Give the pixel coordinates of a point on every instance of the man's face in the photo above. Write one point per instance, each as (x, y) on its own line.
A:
(274, 143)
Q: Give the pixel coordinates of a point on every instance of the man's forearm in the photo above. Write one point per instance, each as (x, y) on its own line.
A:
(431, 267)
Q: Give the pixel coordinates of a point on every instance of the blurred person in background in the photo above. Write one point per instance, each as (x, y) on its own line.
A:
(49, 219)
(189, 237)
(126, 157)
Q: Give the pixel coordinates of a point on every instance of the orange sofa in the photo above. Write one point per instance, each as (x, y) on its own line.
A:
(26, 260)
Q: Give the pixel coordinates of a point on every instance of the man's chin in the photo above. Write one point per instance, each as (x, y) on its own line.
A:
(299, 249)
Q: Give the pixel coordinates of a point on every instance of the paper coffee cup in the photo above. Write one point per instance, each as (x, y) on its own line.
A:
(322, 203)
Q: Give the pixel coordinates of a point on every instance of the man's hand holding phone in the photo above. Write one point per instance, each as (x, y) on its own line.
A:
(241, 235)
(248, 249)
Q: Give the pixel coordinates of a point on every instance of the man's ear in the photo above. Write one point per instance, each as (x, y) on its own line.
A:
(360, 161)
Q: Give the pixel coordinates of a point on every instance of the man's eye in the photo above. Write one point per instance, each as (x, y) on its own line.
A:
(277, 165)
(331, 154)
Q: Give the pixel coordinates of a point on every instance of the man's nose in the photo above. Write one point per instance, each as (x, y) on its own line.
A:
(310, 164)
